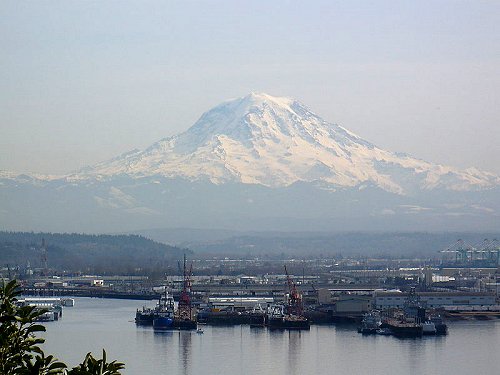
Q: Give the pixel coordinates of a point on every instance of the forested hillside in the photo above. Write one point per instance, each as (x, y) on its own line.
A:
(87, 253)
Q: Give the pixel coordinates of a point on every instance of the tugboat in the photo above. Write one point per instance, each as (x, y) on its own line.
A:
(278, 318)
(409, 323)
(147, 315)
(371, 323)
(184, 317)
(290, 315)
(164, 316)
(258, 317)
(439, 324)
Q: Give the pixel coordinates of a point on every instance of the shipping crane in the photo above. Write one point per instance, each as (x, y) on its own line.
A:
(486, 252)
(185, 298)
(295, 306)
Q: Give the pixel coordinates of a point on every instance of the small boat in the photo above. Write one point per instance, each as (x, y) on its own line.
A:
(163, 309)
(199, 331)
(371, 323)
(441, 327)
(278, 318)
(48, 316)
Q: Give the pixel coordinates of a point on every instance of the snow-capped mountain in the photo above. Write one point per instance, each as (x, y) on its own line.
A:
(256, 163)
(275, 142)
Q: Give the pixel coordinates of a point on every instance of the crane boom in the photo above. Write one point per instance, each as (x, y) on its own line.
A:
(295, 302)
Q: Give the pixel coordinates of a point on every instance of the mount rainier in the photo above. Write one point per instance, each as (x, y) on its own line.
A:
(256, 162)
(275, 142)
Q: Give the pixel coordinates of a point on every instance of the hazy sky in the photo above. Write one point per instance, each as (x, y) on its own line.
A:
(83, 81)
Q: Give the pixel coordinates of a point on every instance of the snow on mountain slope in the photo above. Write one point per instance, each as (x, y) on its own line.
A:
(273, 141)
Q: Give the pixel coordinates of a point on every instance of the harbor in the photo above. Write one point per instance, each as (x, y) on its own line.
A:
(327, 291)
(411, 314)
(330, 307)
(165, 316)
(109, 323)
(407, 301)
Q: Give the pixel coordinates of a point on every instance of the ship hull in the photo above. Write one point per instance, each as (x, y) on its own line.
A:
(145, 318)
(184, 324)
(441, 329)
(288, 324)
(167, 323)
(367, 331)
(223, 318)
(404, 330)
(163, 323)
(257, 320)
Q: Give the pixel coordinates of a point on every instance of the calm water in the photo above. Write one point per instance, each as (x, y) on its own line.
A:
(93, 324)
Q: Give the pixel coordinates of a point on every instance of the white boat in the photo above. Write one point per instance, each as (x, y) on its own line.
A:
(48, 316)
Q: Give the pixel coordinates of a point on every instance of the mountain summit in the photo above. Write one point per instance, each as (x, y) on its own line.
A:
(277, 141)
(256, 163)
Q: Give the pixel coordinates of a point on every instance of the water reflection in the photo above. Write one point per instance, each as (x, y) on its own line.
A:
(416, 349)
(257, 331)
(294, 351)
(185, 351)
(163, 336)
(323, 350)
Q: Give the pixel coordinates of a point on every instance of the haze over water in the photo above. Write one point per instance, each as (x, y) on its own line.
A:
(93, 324)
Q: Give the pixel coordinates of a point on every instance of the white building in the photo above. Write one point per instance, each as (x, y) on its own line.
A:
(383, 300)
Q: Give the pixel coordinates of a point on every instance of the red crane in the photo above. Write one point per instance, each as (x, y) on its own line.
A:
(185, 297)
(295, 298)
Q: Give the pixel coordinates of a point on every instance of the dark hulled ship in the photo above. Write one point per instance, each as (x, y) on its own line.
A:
(147, 315)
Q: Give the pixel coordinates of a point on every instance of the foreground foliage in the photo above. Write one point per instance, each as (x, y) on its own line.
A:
(20, 351)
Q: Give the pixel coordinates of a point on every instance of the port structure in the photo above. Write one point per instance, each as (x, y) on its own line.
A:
(184, 309)
(487, 251)
(295, 305)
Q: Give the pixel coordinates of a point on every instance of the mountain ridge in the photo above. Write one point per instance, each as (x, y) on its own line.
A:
(275, 142)
(256, 163)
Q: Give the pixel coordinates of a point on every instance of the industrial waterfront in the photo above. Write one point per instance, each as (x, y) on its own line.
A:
(380, 315)
(95, 323)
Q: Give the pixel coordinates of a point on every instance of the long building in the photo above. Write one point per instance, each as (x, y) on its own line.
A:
(384, 300)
